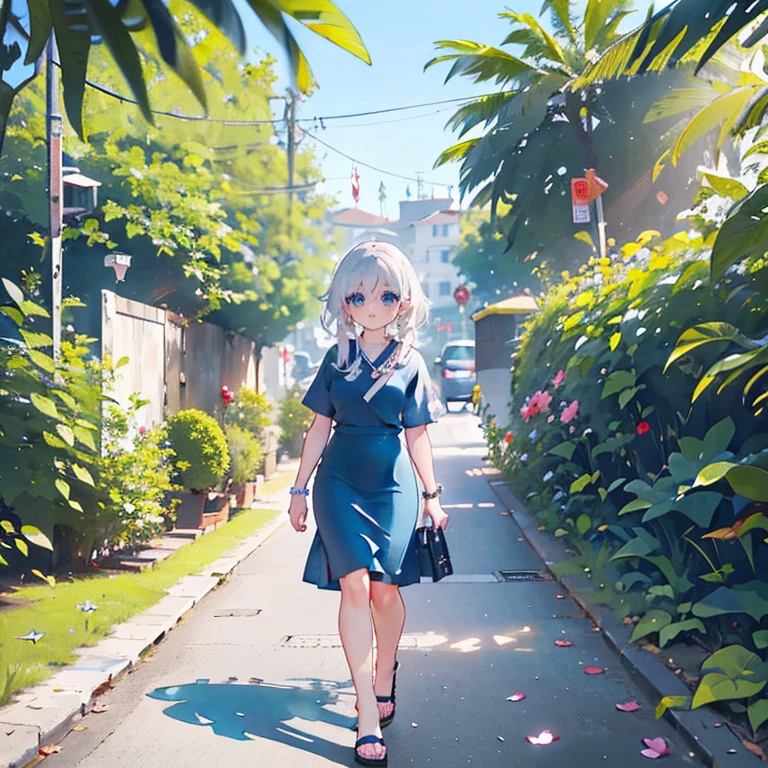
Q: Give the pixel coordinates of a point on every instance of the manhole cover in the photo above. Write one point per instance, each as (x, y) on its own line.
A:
(237, 612)
(522, 576)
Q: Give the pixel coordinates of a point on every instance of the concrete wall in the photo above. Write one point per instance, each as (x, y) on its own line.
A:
(177, 367)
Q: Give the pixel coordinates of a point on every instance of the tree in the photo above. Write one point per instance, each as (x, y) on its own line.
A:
(482, 260)
(542, 130)
(684, 30)
(198, 205)
(76, 24)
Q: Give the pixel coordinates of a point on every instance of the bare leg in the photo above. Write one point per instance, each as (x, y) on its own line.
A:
(388, 620)
(357, 640)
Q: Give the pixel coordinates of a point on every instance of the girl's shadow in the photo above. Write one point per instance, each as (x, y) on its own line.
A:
(246, 711)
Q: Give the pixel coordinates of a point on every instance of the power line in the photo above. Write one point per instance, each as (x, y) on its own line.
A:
(373, 167)
(276, 121)
(387, 122)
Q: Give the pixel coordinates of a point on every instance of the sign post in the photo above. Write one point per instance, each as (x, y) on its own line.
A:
(584, 191)
(580, 201)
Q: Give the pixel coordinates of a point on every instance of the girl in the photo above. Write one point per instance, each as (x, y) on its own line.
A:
(373, 384)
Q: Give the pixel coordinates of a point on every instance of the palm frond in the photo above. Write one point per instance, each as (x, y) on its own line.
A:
(562, 20)
(480, 62)
(542, 44)
(456, 152)
(482, 110)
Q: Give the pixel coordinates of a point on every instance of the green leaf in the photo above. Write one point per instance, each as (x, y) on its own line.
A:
(36, 537)
(750, 482)
(670, 702)
(713, 473)
(73, 37)
(14, 314)
(627, 395)
(618, 381)
(757, 712)
(41, 360)
(66, 434)
(22, 546)
(760, 638)
(583, 524)
(743, 233)
(613, 342)
(726, 187)
(107, 22)
(616, 483)
(40, 26)
(732, 672)
(706, 333)
(85, 437)
(122, 362)
(653, 621)
(62, 487)
(44, 405)
(578, 485)
(749, 598)
(83, 475)
(566, 450)
(671, 631)
(13, 291)
(635, 506)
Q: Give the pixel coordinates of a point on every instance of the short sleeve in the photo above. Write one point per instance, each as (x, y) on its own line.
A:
(318, 397)
(423, 404)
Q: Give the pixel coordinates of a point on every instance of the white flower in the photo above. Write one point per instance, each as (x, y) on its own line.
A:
(548, 476)
(524, 458)
(128, 507)
(533, 434)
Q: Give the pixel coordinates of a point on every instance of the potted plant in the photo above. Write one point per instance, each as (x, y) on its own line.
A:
(201, 460)
(245, 454)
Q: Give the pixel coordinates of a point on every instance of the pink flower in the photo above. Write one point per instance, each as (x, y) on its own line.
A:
(559, 379)
(528, 411)
(570, 412)
(142, 430)
(643, 428)
(541, 401)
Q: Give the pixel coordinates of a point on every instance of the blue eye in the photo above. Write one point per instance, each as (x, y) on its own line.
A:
(389, 298)
(356, 300)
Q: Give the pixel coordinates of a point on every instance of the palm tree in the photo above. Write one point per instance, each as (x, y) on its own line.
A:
(684, 30)
(540, 125)
(77, 24)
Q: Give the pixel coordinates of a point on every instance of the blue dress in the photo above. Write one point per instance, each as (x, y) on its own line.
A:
(365, 496)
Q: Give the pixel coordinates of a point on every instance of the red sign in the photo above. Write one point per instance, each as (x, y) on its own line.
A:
(461, 294)
(580, 192)
(596, 185)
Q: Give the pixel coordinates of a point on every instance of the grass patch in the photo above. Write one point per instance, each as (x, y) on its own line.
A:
(119, 596)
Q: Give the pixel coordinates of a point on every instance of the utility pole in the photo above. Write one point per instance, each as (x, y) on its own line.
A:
(290, 119)
(55, 190)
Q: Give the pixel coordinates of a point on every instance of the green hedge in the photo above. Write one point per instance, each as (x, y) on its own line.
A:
(202, 455)
(661, 497)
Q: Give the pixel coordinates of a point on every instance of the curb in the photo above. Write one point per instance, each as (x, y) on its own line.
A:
(709, 743)
(46, 713)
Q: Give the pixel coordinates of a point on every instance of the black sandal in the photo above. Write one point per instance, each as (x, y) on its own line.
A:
(385, 721)
(371, 739)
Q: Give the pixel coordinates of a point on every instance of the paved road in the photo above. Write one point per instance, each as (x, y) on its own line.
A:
(469, 645)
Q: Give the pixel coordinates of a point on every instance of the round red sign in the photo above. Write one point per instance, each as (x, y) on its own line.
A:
(461, 294)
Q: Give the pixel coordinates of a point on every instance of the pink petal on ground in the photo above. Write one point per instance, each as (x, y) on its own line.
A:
(516, 696)
(593, 670)
(545, 737)
(630, 706)
(656, 748)
(563, 643)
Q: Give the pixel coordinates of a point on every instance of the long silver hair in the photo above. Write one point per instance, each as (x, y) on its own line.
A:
(367, 264)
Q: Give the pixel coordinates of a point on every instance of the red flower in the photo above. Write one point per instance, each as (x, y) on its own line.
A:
(643, 428)
(226, 395)
(508, 438)
(142, 430)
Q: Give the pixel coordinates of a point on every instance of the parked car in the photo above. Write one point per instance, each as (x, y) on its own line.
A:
(456, 369)
(303, 366)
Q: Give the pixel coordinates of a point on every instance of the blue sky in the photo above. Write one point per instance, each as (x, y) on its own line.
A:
(399, 35)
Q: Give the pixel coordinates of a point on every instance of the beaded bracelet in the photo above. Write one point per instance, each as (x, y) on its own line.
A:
(434, 495)
(299, 491)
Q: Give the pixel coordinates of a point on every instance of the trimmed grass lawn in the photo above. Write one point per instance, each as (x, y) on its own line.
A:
(119, 596)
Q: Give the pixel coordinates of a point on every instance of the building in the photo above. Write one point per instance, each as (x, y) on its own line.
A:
(428, 232)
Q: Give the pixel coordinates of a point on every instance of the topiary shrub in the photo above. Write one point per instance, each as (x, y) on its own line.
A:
(245, 453)
(202, 455)
(251, 410)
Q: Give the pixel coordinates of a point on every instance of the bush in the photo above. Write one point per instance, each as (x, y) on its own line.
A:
(294, 420)
(202, 456)
(250, 411)
(245, 453)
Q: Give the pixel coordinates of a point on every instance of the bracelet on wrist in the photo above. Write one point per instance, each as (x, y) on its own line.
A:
(434, 494)
(299, 491)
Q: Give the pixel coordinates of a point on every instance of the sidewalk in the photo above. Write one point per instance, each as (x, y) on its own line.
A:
(256, 675)
(45, 713)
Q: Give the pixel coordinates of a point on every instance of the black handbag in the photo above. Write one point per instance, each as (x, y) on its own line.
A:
(432, 552)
